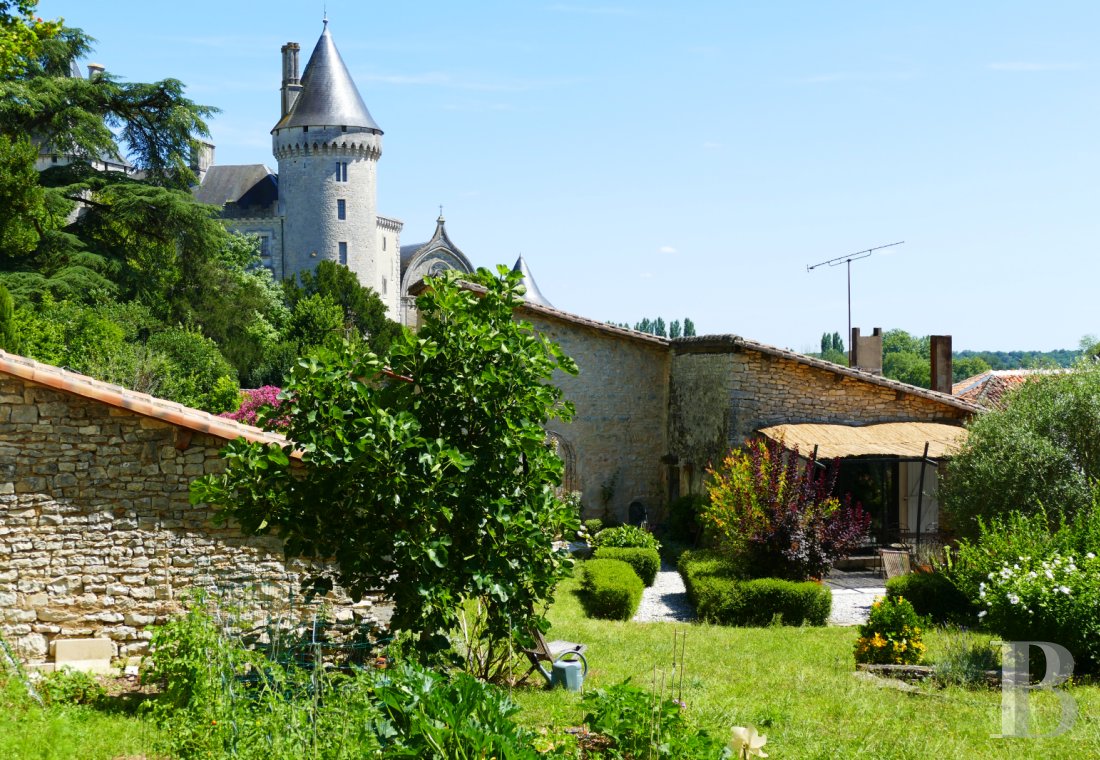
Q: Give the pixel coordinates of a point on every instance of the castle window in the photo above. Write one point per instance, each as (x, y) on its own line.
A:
(343, 129)
(305, 129)
(341, 209)
(383, 242)
(383, 286)
(343, 253)
(341, 171)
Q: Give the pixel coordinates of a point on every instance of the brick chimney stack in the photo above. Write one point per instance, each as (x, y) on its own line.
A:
(942, 379)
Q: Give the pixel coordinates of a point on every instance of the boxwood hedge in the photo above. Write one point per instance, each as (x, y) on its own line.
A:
(720, 596)
(646, 562)
(935, 596)
(610, 589)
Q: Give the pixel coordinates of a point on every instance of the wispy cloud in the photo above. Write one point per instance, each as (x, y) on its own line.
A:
(1033, 66)
(858, 76)
(667, 249)
(592, 10)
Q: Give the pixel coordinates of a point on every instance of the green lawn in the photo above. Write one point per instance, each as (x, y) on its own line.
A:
(797, 686)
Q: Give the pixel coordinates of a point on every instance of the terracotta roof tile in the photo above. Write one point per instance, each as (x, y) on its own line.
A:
(990, 389)
(139, 403)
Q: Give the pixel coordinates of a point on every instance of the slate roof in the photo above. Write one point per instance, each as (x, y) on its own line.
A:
(440, 241)
(231, 183)
(533, 294)
(329, 96)
(138, 403)
(990, 389)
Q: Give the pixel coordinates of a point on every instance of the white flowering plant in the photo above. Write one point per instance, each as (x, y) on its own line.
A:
(1053, 598)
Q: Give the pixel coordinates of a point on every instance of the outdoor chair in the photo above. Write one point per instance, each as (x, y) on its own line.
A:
(895, 562)
(551, 653)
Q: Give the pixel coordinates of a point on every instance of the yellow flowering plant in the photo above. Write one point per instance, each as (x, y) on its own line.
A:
(891, 635)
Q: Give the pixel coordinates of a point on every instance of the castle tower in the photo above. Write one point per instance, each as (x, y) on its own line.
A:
(328, 146)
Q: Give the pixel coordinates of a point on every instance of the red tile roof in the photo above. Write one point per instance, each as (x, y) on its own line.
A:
(990, 389)
(139, 403)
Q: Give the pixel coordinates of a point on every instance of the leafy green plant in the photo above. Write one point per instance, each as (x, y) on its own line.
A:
(682, 523)
(610, 589)
(642, 725)
(426, 473)
(626, 536)
(893, 634)
(646, 562)
(593, 526)
(779, 512)
(70, 687)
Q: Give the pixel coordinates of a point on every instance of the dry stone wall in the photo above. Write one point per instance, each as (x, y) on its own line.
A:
(97, 534)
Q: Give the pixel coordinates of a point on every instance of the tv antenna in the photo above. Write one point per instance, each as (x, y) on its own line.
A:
(848, 259)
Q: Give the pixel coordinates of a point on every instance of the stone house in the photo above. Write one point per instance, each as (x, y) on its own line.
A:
(652, 414)
(98, 538)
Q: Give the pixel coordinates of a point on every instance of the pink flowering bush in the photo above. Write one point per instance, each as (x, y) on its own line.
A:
(260, 407)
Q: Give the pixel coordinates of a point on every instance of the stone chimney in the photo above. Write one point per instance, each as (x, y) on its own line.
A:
(95, 68)
(202, 158)
(941, 363)
(866, 351)
(292, 83)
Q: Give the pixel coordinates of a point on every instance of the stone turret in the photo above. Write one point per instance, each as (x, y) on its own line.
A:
(328, 146)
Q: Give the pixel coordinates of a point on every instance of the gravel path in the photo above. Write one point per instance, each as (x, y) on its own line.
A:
(666, 600)
(853, 593)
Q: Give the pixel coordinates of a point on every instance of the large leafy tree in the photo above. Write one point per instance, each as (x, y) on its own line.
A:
(363, 314)
(430, 479)
(1042, 451)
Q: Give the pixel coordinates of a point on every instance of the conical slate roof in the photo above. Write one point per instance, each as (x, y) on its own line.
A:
(328, 96)
(533, 294)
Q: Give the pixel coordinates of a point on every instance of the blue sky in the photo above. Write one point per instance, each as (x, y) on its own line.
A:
(691, 159)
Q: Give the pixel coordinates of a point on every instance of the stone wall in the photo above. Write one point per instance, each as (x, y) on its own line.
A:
(618, 434)
(720, 395)
(97, 534)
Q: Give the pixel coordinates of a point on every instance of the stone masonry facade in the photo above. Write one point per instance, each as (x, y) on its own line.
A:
(621, 400)
(720, 395)
(98, 537)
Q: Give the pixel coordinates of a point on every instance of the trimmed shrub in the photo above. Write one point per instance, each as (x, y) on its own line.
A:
(611, 589)
(720, 596)
(593, 526)
(626, 536)
(933, 595)
(646, 562)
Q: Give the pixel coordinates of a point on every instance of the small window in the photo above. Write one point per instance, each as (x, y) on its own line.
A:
(305, 129)
(344, 253)
(383, 242)
(53, 159)
(341, 209)
(383, 286)
(341, 171)
(344, 129)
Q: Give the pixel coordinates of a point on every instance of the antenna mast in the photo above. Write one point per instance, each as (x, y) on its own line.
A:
(848, 259)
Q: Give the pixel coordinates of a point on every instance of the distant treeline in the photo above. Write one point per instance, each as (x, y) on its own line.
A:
(1063, 357)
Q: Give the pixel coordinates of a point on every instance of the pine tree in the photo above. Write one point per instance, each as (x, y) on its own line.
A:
(659, 328)
(689, 328)
(674, 329)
